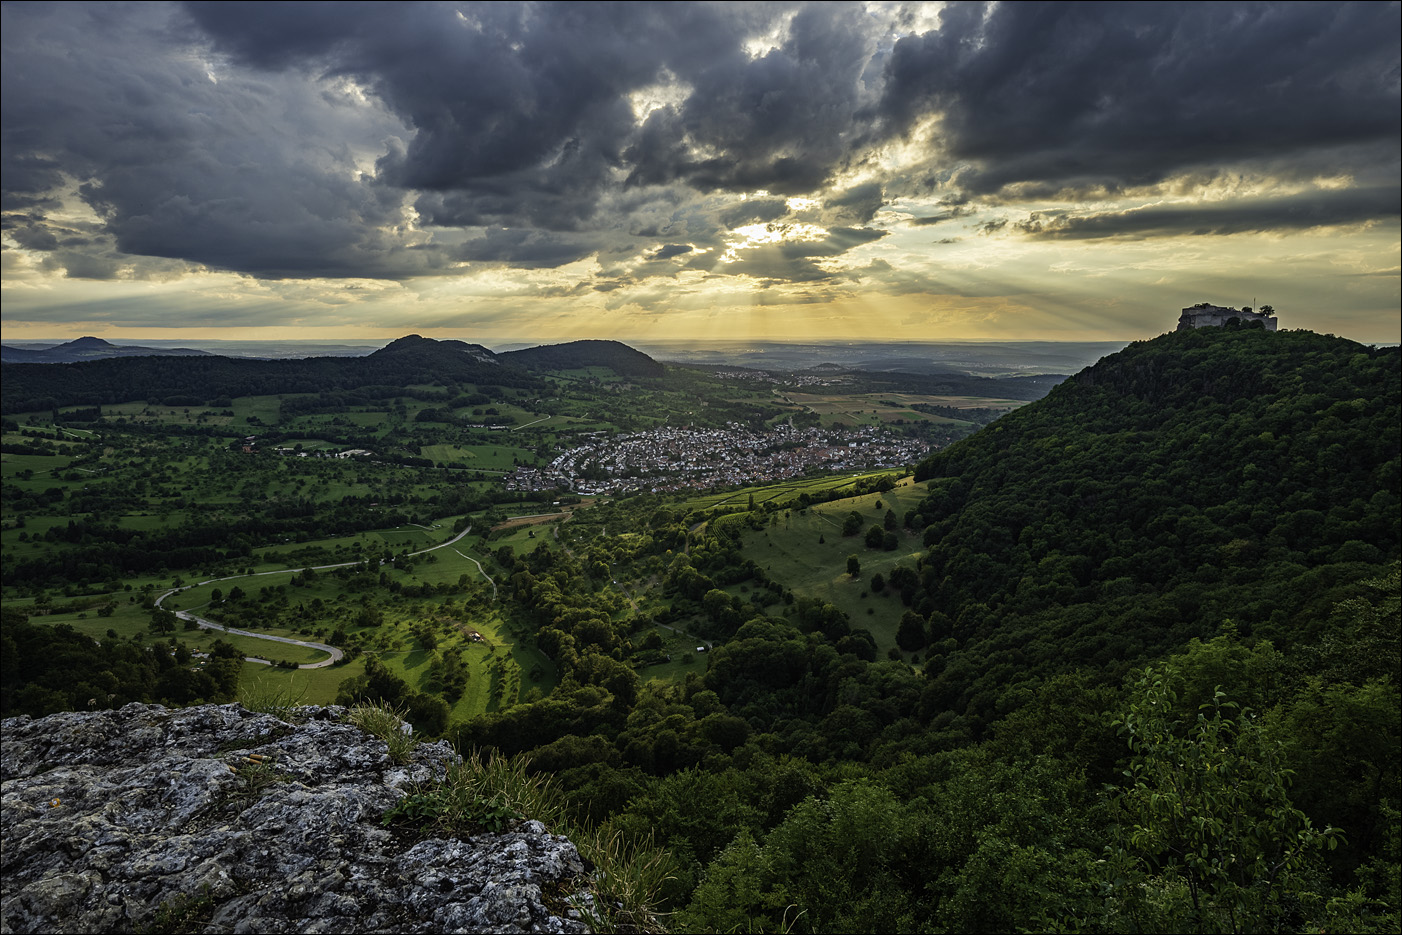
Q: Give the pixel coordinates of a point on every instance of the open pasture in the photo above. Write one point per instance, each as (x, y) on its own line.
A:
(867, 408)
(782, 493)
(807, 551)
(485, 456)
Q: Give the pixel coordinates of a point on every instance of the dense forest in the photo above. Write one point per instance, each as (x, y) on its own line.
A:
(1145, 674)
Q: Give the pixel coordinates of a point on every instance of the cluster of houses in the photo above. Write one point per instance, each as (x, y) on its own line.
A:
(672, 458)
(788, 379)
(250, 446)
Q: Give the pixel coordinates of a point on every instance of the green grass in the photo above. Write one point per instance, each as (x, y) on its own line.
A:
(313, 686)
(521, 539)
(42, 466)
(388, 724)
(265, 408)
(783, 493)
(677, 645)
(790, 552)
(129, 619)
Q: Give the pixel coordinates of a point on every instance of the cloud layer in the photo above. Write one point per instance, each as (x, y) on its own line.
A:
(776, 143)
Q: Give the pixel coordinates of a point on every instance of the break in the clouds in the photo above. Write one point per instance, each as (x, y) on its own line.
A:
(679, 149)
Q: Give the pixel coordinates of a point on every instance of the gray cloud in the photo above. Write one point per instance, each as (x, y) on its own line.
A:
(670, 250)
(398, 140)
(252, 173)
(1125, 94)
(1289, 212)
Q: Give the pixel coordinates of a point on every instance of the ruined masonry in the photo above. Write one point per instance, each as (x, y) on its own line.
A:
(1204, 315)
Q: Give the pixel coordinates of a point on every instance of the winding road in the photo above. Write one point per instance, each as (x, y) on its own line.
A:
(336, 655)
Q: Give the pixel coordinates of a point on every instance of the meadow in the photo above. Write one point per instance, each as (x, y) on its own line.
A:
(805, 549)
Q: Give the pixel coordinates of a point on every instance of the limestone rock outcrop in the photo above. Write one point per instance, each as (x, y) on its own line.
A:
(217, 819)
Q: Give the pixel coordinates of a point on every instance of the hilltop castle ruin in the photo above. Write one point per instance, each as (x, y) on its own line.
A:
(1206, 315)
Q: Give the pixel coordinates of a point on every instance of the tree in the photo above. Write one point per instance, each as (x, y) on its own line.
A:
(911, 634)
(1215, 844)
(874, 537)
(162, 620)
(854, 566)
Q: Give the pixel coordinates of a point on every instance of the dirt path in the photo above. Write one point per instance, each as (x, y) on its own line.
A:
(336, 654)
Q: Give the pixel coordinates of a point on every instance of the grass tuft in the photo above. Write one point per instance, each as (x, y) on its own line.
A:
(270, 698)
(387, 723)
(628, 881)
(490, 792)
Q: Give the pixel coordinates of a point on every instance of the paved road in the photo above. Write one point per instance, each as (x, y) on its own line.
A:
(335, 654)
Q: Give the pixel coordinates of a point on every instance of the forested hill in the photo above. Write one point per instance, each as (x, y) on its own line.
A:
(622, 359)
(90, 348)
(409, 360)
(1200, 476)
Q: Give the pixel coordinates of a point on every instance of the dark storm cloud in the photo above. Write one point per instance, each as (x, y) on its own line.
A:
(949, 215)
(246, 174)
(670, 250)
(528, 249)
(521, 111)
(754, 211)
(1290, 212)
(395, 140)
(857, 205)
(1128, 94)
(783, 122)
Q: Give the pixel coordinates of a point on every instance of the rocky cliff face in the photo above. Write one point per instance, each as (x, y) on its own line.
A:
(217, 819)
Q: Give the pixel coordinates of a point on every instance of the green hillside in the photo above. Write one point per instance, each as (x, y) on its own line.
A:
(1202, 476)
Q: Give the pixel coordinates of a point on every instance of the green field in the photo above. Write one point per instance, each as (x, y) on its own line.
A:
(791, 551)
(781, 493)
(41, 466)
(488, 457)
(159, 486)
(685, 659)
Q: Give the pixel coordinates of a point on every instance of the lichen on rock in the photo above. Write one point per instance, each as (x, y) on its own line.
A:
(218, 819)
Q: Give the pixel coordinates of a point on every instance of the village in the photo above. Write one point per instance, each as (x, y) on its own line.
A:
(673, 458)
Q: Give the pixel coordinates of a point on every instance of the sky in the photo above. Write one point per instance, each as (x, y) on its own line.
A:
(677, 171)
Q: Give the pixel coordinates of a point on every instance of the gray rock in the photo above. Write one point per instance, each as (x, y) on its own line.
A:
(109, 817)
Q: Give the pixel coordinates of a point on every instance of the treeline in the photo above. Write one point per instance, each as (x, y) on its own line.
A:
(45, 669)
(978, 416)
(43, 387)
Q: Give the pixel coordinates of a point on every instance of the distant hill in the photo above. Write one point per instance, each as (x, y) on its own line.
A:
(950, 383)
(90, 348)
(576, 355)
(1202, 476)
(409, 360)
